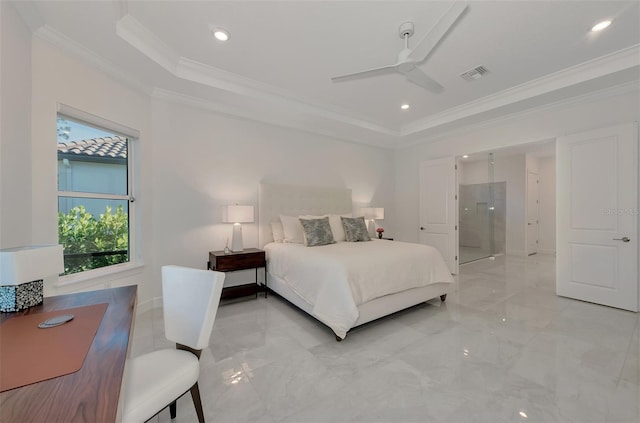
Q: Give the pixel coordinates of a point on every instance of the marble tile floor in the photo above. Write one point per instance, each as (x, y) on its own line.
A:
(469, 254)
(502, 348)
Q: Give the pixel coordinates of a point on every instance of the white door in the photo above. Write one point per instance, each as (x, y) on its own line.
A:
(532, 213)
(438, 208)
(597, 216)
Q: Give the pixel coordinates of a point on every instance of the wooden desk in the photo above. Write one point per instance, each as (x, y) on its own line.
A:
(92, 393)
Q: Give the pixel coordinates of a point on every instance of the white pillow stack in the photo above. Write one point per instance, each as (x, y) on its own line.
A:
(292, 229)
(277, 231)
(336, 226)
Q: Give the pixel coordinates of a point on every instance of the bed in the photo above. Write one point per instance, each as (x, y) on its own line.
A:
(345, 284)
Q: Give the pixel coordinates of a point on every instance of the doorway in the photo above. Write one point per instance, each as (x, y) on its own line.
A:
(507, 202)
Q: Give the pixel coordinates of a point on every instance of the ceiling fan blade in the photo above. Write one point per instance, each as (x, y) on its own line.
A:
(370, 72)
(420, 78)
(433, 37)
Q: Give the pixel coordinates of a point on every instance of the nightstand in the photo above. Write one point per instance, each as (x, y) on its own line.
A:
(250, 258)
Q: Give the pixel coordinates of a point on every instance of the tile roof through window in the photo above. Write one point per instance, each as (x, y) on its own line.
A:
(108, 147)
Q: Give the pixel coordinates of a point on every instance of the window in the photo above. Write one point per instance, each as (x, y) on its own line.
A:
(95, 202)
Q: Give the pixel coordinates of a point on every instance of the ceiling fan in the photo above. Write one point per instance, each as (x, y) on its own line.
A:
(409, 58)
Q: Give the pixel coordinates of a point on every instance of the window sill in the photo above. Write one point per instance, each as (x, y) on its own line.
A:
(121, 270)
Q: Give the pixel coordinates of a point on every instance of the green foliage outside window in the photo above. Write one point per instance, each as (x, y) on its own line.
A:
(81, 234)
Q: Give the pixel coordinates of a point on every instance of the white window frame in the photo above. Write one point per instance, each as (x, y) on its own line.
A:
(132, 136)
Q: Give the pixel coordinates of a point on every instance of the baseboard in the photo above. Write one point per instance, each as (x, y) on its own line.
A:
(518, 253)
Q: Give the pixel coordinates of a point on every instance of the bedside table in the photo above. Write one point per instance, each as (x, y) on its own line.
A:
(250, 258)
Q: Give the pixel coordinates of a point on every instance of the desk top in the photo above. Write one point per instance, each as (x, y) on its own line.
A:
(92, 393)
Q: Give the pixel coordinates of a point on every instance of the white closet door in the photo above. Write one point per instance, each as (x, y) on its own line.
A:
(438, 208)
(597, 216)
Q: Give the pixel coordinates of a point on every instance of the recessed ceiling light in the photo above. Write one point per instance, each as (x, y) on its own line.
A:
(220, 34)
(405, 107)
(466, 156)
(601, 25)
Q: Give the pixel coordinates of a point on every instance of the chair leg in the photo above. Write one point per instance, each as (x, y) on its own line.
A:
(197, 402)
(172, 410)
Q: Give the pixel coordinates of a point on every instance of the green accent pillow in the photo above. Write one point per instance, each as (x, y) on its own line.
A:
(355, 229)
(317, 232)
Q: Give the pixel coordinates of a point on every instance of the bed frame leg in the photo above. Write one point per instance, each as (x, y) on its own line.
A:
(338, 338)
(443, 297)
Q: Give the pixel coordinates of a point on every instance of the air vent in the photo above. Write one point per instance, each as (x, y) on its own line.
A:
(473, 74)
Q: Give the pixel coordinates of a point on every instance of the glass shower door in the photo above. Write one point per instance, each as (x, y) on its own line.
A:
(481, 210)
(475, 222)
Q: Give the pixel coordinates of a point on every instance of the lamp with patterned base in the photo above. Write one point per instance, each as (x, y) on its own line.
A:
(22, 271)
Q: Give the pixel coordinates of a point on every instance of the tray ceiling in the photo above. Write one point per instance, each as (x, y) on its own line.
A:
(276, 66)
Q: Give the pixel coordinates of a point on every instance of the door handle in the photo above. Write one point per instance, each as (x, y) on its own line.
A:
(623, 239)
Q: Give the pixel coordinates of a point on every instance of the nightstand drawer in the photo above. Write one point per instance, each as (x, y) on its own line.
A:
(250, 258)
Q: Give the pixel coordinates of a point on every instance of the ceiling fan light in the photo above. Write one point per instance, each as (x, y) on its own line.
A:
(220, 34)
(405, 107)
(601, 25)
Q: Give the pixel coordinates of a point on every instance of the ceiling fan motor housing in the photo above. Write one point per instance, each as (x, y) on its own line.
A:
(406, 30)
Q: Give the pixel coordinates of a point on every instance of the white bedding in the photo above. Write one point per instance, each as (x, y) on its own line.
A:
(335, 279)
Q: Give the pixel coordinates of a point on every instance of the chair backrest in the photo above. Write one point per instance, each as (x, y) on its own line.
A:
(190, 298)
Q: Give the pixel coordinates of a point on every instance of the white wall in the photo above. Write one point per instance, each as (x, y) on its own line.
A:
(530, 127)
(191, 162)
(510, 169)
(532, 163)
(203, 161)
(59, 78)
(547, 210)
(15, 130)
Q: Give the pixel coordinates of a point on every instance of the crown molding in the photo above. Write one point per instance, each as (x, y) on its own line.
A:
(227, 81)
(601, 66)
(622, 89)
(145, 41)
(139, 37)
(121, 8)
(64, 43)
(243, 113)
(29, 14)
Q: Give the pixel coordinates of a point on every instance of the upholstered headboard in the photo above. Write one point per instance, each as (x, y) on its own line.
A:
(292, 200)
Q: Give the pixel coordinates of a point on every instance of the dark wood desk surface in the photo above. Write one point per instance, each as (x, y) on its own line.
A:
(92, 393)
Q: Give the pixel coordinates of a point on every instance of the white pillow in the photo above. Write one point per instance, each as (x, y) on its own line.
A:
(294, 233)
(337, 228)
(292, 229)
(277, 231)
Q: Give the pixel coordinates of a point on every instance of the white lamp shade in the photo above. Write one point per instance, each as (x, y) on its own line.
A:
(237, 214)
(373, 212)
(27, 264)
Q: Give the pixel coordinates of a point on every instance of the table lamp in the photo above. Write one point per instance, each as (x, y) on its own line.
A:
(237, 215)
(22, 271)
(371, 214)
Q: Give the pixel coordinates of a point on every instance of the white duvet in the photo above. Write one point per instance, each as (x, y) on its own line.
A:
(335, 279)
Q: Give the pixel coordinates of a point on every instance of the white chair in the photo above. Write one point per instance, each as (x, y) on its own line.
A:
(156, 380)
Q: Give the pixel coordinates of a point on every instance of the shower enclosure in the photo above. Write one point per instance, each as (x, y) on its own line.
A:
(482, 213)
